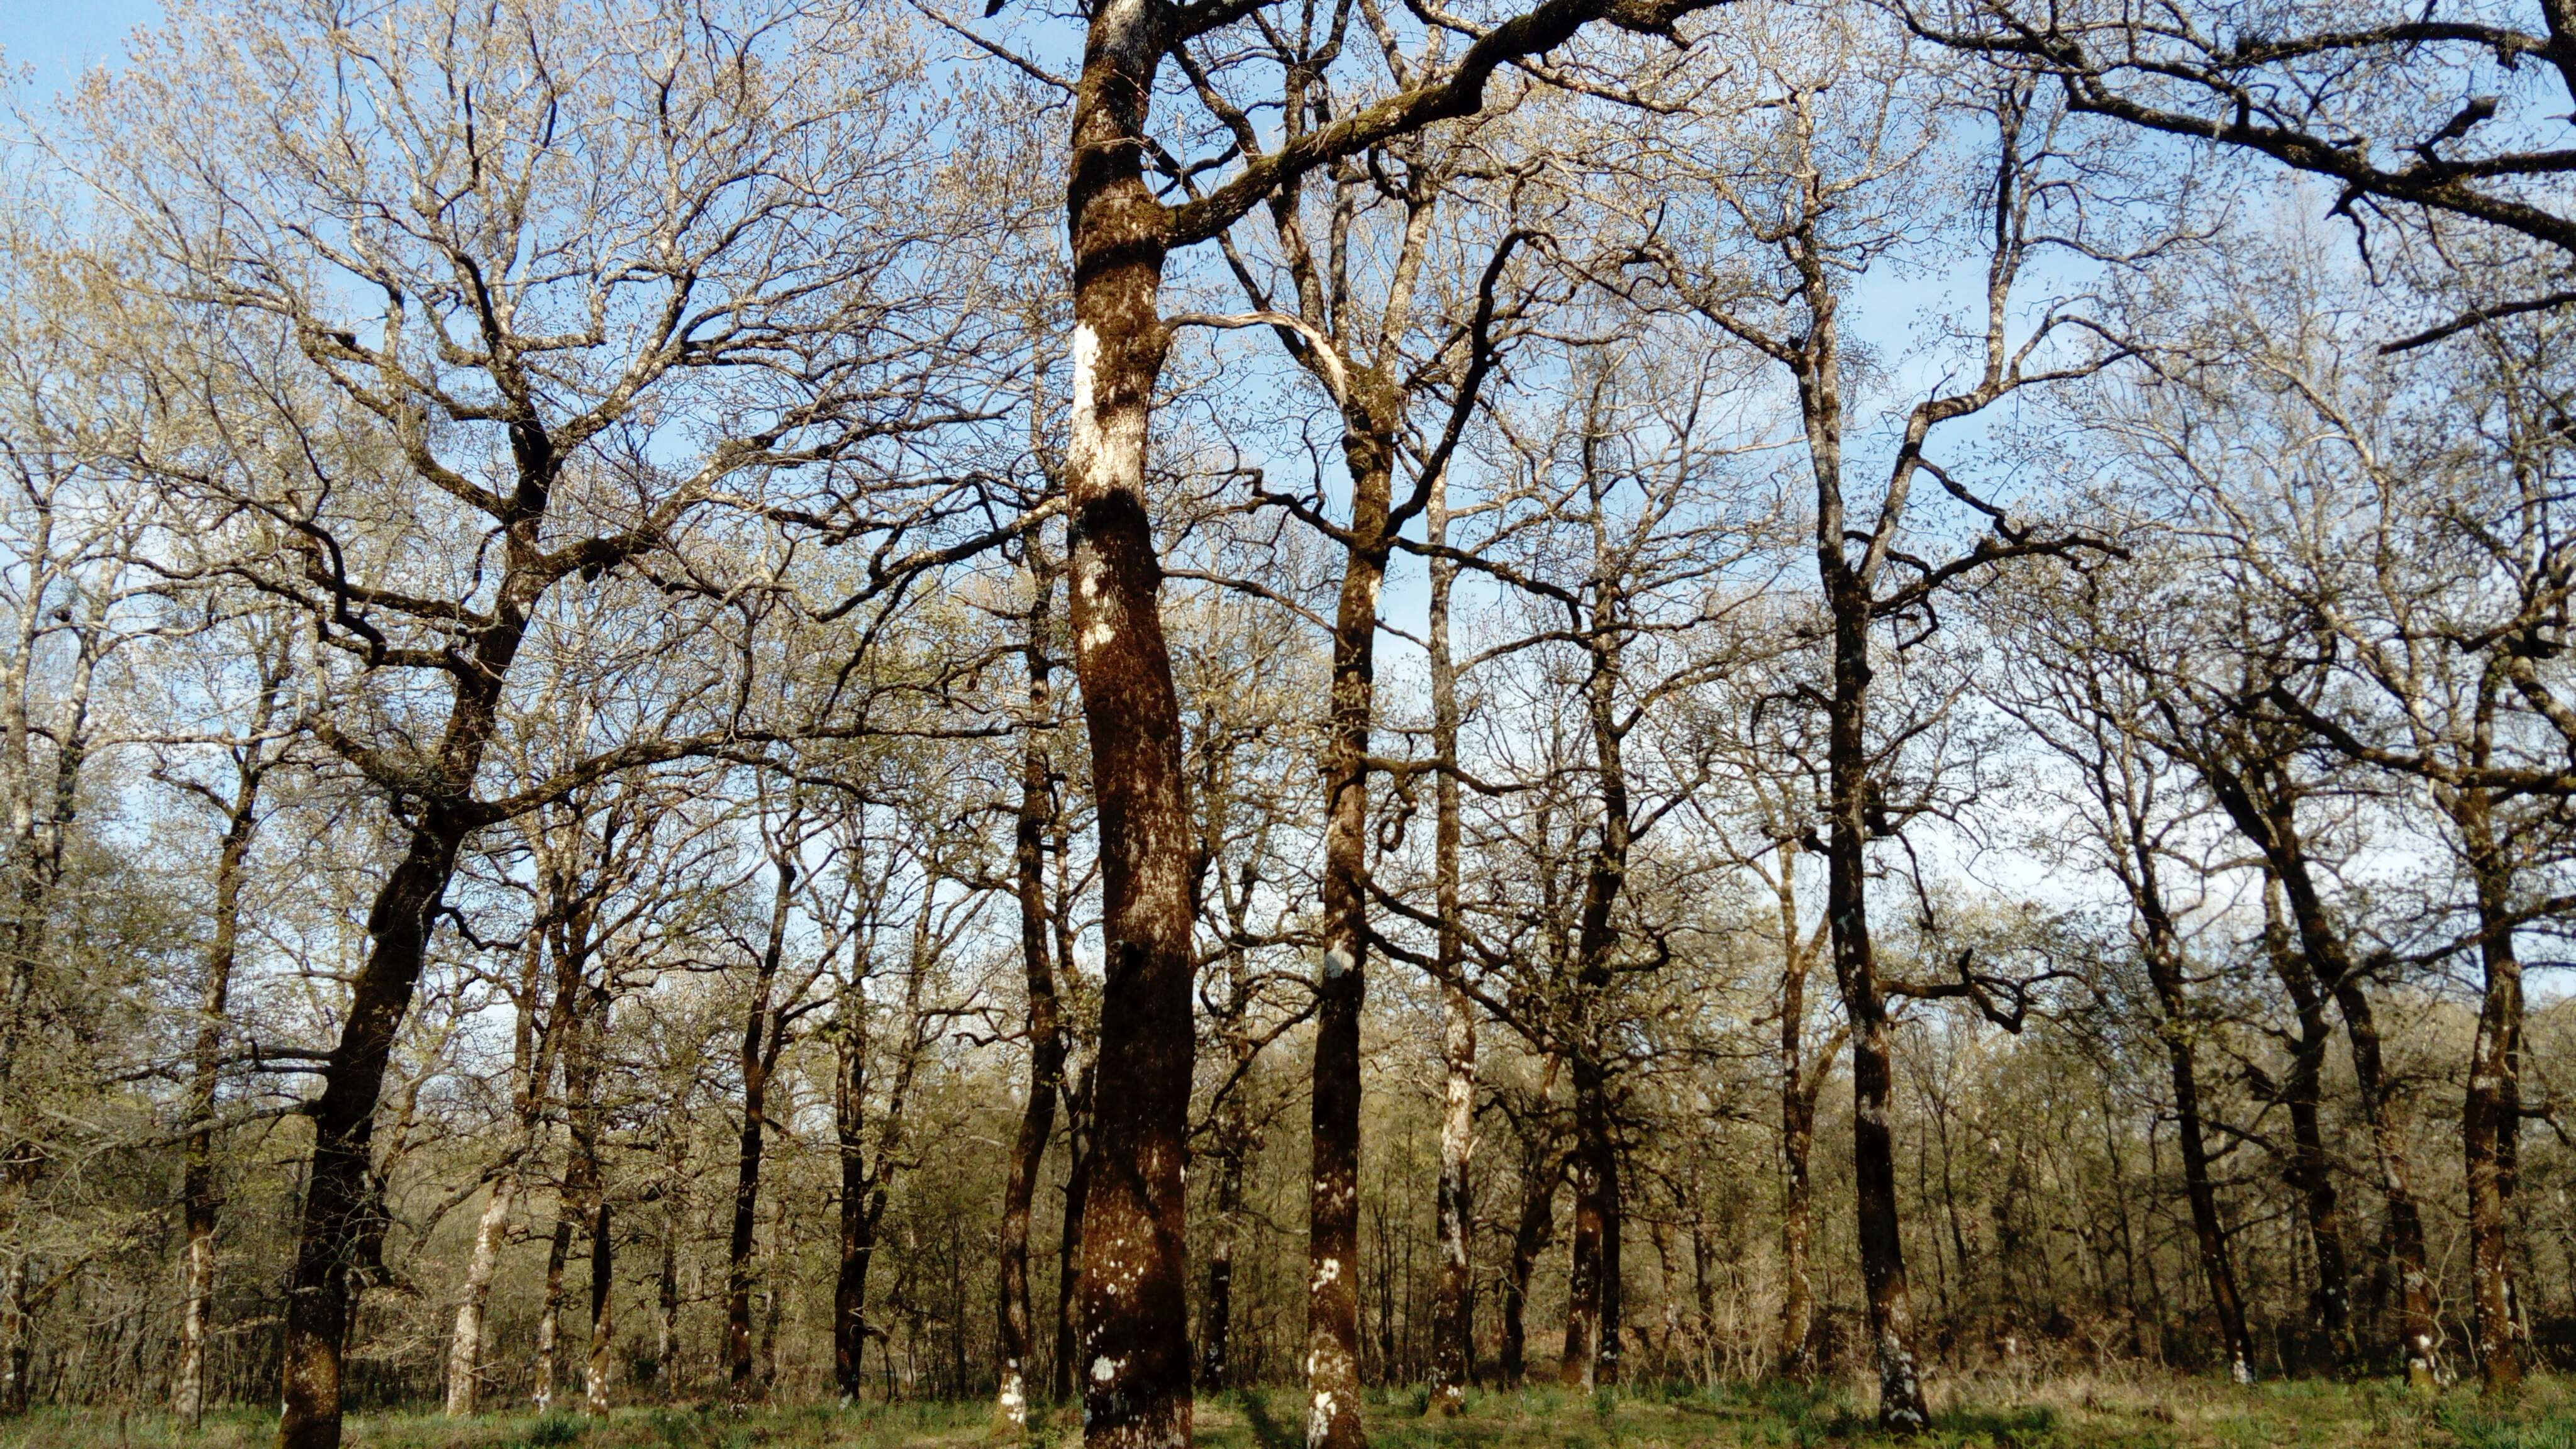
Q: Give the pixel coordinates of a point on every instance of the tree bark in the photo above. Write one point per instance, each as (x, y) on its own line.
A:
(197, 1193)
(2491, 1109)
(867, 1178)
(1134, 1330)
(17, 1337)
(2209, 1234)
(465, 1344)
(1046, 1033)
(754, 1059)
(1453, 1318)
(595, 1367)
(1591, 1350)
(1232, 1146)
(1882, 1249)
(336, 1192)
(2163, 951)
(666, 1287)
(1796, 1356)
(1799, 1084)
(1529, 1239)
(1333, 1200)
(1064, 1383)
(582, 1028)
(531, 1066)
(2406, 1248)
(336, 1196)
(858, 1239)
(541, 1394)
(2309, 1170)
(2340, 976)
(533, 1051)
(1589, 1316)
(1216, 1308)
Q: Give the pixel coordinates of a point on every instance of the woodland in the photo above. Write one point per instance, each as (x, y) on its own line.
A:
(1164, 718)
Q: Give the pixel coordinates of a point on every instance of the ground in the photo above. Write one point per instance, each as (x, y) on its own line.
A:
(2085, 1412)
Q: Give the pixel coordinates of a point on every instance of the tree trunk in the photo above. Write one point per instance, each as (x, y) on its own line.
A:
(1068, 1245)
(532, 1068)
(1587, 1290)
(1046, 1033)
(336, 1187)
(1135, 1333)
(580, 1026)
(1333, 1199)
(1453, 1318)
(332, 1221)
(1453, 1304)
(2209, 1234)
(17, 1333)
(758, 1023)
(38, 830)
(857, 1233)
(594, 1379)
(1795, 1357)
(1882, 1248)
(2406, 1248)
(465, 1346)
(1216, 1309)
(1233, 1137)
(666, 1297)
(2325, 950)
(2310, 1172)
(1592, 1287)
(541, 1395)
(867, 1184)
(1614, 1233)
(198, 1203)
(2491, 1110)
(1529, 1239)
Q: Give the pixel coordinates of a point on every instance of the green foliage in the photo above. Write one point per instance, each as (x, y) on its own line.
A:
(2076, 1413)
(553, 1431)
(2527, 1426)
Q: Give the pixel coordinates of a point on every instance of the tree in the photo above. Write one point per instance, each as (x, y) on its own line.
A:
(1138, 1389)
(2099, 721)
(634, 207)
(1823, 224)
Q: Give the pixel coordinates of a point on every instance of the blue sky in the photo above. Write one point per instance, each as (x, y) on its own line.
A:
(58, 39)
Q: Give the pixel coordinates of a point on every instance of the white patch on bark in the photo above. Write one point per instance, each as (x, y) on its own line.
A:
(1103, 455)
(1898, 1381)
(1085, 405)
(1319, 1420)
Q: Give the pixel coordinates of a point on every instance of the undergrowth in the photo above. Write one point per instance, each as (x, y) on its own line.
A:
(2017, 1412)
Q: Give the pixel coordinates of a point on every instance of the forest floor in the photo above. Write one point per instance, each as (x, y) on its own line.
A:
(2084, 1412)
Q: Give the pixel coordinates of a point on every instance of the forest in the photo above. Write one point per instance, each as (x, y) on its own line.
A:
(1142, 721)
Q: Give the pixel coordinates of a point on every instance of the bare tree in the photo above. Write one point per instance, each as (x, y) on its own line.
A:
(1815, 211)
(566, 225)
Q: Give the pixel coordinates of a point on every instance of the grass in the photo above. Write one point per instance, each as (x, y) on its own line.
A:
(2077, 1412)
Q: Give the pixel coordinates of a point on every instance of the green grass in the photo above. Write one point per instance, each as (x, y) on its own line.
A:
(2078, 1412)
